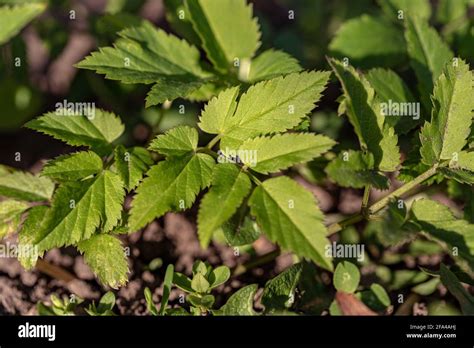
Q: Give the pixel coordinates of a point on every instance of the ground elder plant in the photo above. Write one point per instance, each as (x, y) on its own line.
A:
(237, 171)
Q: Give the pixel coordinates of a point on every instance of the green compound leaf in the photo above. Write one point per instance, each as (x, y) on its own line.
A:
(267, 107)
(215, 23)
(106, 257)
(446, 135)
(25, 186)
(346, 277)
(177, 141)
(97, 130)
(131, 164)
(73, 167)
(455, 287)
(271, 64)
(364, 113)
(284, 150)
(240, 303)
(437, 220)
(229, 188)
(288, 215)
(391, 89)
(170, 185)
(14, 18)
(78, 209)
(279, 292)
(147, 55)
(428, 54)
(356, 169)
(356, 40)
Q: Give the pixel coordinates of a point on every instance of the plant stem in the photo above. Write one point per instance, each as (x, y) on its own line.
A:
(365, 199)
(207, 151)
(379, 205)
(402, 190)
(338, 226)
(213, 142)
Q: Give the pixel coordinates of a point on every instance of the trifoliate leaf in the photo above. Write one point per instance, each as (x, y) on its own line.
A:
(356, 169)
(271, 64)
(106, 257)
(73, 167)
(14, 18)
(398, 10)
(455, 287)
(78, 209)
(270, 106)
(402, 111)
(284, 150)
(170, 185)
(240, 303)
(346, 277)
(437, 220)
(356, 40)
(10, 216)
(229, 188)
(145, 54)
(215, 23)
(428, 54)
(364, 113)
(131, 164)
(25, 186)
(97, 130)
(446, 135)
(288, 215)
(177, 141)
(279, 292)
